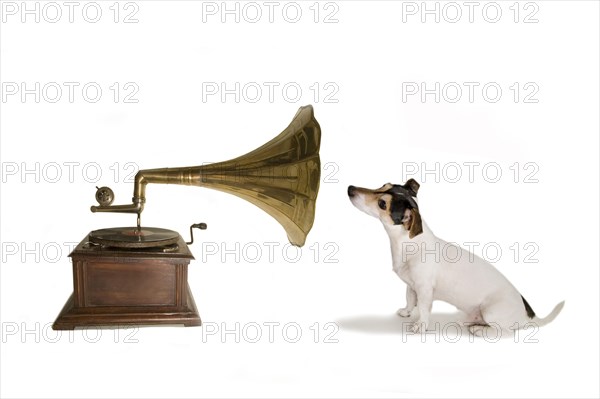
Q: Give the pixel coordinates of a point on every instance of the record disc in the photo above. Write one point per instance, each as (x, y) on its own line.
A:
(132, 237)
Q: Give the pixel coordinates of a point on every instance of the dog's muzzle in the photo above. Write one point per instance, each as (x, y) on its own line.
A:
(351, 191)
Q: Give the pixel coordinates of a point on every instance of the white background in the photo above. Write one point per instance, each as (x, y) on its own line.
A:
(370, 135)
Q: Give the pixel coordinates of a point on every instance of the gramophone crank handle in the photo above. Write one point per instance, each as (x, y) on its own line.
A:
(201, 226)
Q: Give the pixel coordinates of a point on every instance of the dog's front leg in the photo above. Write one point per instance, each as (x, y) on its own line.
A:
(411, 302)
(424, 303)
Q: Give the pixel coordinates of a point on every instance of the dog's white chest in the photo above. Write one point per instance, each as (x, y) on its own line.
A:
(403, 271)
(401, 264)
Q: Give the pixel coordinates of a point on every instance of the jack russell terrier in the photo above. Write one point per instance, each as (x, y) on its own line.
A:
(469, 283)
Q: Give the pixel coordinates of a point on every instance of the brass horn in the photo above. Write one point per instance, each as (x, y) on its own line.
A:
(281, 177)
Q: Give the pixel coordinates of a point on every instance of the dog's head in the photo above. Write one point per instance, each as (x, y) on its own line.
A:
(393, 204)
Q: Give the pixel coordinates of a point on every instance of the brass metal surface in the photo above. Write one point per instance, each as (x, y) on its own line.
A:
(281, 177)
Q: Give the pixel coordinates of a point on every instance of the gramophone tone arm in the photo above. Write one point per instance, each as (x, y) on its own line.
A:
(185, 176)
(188, 176)
(105, 196)
(135, 207)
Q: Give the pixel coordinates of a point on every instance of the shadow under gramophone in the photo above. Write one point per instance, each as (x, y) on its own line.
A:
(394, 324)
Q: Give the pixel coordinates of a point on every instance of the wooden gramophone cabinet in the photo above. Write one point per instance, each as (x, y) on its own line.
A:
(120, 287)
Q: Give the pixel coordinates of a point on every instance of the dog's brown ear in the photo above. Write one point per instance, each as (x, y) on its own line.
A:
(415, 223)
(412, 185)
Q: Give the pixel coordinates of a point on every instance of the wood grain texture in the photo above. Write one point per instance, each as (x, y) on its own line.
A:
(124, 287)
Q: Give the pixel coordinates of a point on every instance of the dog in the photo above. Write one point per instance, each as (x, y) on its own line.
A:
(470, 283)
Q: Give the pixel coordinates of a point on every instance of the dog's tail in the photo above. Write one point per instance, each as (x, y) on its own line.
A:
(543, 321)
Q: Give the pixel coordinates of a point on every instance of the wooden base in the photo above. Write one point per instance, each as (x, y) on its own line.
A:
(123, 288)
(71, 317)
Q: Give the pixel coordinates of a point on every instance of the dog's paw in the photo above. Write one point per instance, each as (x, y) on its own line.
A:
(403, 312)
(417, 326)
(477, 330)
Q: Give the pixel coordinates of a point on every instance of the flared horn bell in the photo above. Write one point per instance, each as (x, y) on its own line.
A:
(281, 177)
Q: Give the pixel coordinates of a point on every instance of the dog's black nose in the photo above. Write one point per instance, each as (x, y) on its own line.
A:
(351, 190)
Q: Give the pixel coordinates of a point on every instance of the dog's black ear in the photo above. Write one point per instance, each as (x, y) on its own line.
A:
(412, 222)
(412, 184)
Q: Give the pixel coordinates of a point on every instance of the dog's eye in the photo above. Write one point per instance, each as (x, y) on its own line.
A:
(381, 204)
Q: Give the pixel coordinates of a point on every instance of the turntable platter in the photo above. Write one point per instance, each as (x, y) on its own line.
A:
(132, 237)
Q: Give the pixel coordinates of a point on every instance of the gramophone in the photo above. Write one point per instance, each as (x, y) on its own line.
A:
(138, 275)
